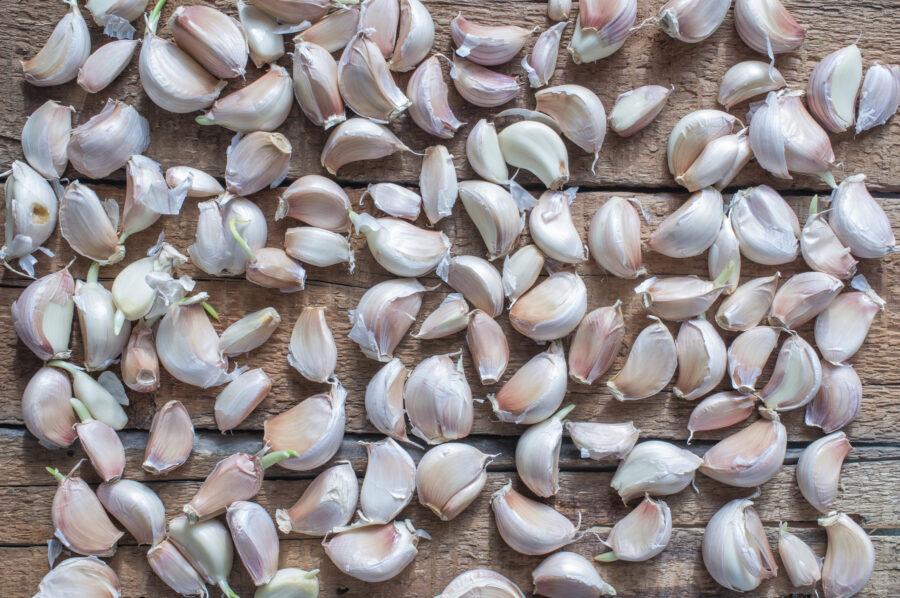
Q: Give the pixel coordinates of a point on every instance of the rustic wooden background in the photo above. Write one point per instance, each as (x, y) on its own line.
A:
(633, 167)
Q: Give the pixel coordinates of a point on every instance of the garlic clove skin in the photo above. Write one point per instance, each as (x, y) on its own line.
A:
(174, 569)
(415, 36)
(318, 247)
(655, 468)
(240, 397)
(552, 309)
(859, 221)
(535, 147)
(748, 304)
(749, 457)
(801, 564)
(79, 521)
(849, 557)
(480, 86)
(487, 45)
(833, 87)
(748, 355)
(802, 297)
(494, 213)
(838, 400)
(401, 248)
(250, 332)
(654, 347)
(725, 252)
(171, 439)
(428, 93)
(437, 183)
(383, 315)
(521, 271)
(569, 574)
(701, 359)
(212, 38)
(389, 483)
(720, 410)
(314, 428)
(541, 63)
(42, 315)
(640, 535)
(478, 281)
(137, 508)
(679, 297)
(46, 410)
(317, 201)
(312, 350)
(257, 161)
(261, 106)
(796, 378)
(484, 154)
(692, 21)
(67, 48)
(315, 77)
(264, 44)
(255, 539)
(394, 200)
(359, 139)
(383, 18)
(527, 526)
(45, 139)
(101, 403)
(384, 400)
(746, 80)
(692, 133)
(736, 551)
(601, 29)
(483, 582)
(596, 343)
(208, 547)
(535, 391)
(488, 347)
(879, 97)
(294, 12)
(602, 441)
(100, 443)
(106, 64)
(692, 228)
(374, 552)
(614, 238)
(438, 400)
(551, 226)
(80, 576)
(819, 470)
(537, 454)
(719, 162)
(821, 248)
(450, 476)
(767, 26)
(365, 83)
(291, 583)
(451, 316)
(635, 109)
(842, 327)
(327, 503)
(104, 143)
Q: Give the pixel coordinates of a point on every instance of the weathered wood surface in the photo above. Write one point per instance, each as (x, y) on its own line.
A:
(649, 57)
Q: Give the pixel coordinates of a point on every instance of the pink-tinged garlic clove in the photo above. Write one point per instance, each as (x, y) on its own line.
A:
(701, 359)
(481, 581)
(389, 482)
(312, 350)
(748, 304)
(748, 355)
(487, 45)
(596, 343)
(240, 398)
(692, 228)
(767, 26)
(481, 86)
(677, 298)
(859, 221)
(137, 508)
(640, 535)
(383, 316)
(384, 400)
(842, 327)
(80, 576)
(100, 443)
(801, 564)
(765, 225)
(438, 400)
(878, 99)
(478, 281)
(46, 410)
(42, 315)
(796, 377)
(448, 318)
(175, 570)
(450, 476)
(833, 87)
(428, 93)
(255, 540)
(614, 237)
(720, 410)
(569, 574)
(316, 84)
(802, 297)
(374, 552)
(822, 249)
(656, 468)
(601, 29)
(849, 558)
(746, 80)
(415, 36)
(552, 309)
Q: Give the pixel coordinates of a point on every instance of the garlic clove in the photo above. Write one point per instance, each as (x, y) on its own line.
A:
(317, 201)
(541, 63)
(596, 343)
(599, 441)
(859, 221)
(478, 281)
(601, 29)
(46, 410)
(655, 468)
(849, 558)
(482, 582)
(569, 574)
(294, 12)
(796, 378)
(365, 82)
(313, 428)
(719, 162)
(802, 565)
(383, 315)
(312, 350)
(264, 44)
(822, 249)
(428, 93)
(838, 400)
(79, 521)
(104, 143)
(171, 439)
(819, 470)
(374, 552)
(105, 64)
(175, 570)
(450, 476)
(692, 228)
(318, 247)
(693, 133)
(383, 17)
(527, 526)
(746, 80)
(535, 391)
(481, 86)
(255, 539)
(833, 86)
(438, 400)
(803, 297)
(767, 26)
(257, 161)
(748, 304)
(537, 454)
(42, 315)
(451, 316)
(536, 148)
(521, 271)
(487, 45)
(327, 503)
(640, 535)
(552, 309)
(45, 139)
(550, 224)
(879, 97)
(725, 252)
(147, 196)
(842, 327)
(100, 443)
(315, 77)
(401, 248)
(748, 355)
(415, 36)
(240, 397)
(749, 457)
(614, 238)
(701, 359)
(692, 21)
(635, 109)
(736, 551)
(484, 154)
(212, 38)
(488, 347)
(720, 410)
(655, 348)
(394, 200)
(80, 576)
(389, 482)
(67, 48)
(137, 508)
(250, 332)
(495, 214)
(359, 139)
(208, 547)
(680, 297)
(261, 106)
(290, 583)
(384, 400)
(437, 183)
(103, 405)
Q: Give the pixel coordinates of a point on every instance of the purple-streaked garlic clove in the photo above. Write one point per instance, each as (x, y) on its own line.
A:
(100, 443)
(767, 26)
(596, 343)
(802, 297)
(720, 410)
(46, 410)
(42, 315)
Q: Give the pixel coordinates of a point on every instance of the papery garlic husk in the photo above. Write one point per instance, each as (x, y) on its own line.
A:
(89, 225)
(599, 441)
(833, 86)
(68, 46)
(859, 221)
(272, 268)
(384, 400)
(100, 443)
(46, 410)
(541, 63)
(552, 309)
(137, 508)
(614, 237)
(318, 247)
(103, 404)
(80, 576)
(294, 12)
(389, 482)
(317, 201)
(250, 332)
(879, 97)
(635, 109)
(79, 521)
(746, 80)
(482, 582)
(692, 21)
(693, 133)
(568, 574)
(438, 400)
(750, 457)
(802, 297)
(105, 64)
(366, 84)
(415, 36)
(842, 327)
(720, 161)
(481, 86)
(31, 209)
(104, 144)
(374, 552)
(819, 470)
(655, 468)
(838, 400)
(796, 378)
(487, 45)
(535, 391)
(147, 196)
(655, 348)
(640, 535)
(736, 551)
(116, 15)
(264, 44)
(291, 583)
(537, 454)
(821, 248)
(748, 355)
(45, 139)
(240, 397)
(488, 347)
(725, 252)
(801, 564)
(538, 149)
(678, 298)
(527, 526)
(208, 547)
(720, 410)
(312, 350)
(692, 228)
(478, 281)
(383, 18)
(553, 230)
(701, 359)
(596, 343)
(767, 26)
(437, 183)
(132, 292)
(175, 570)
(255, 539)
(328, 502)
(394, 200)
(451, 316)
(314, 428)
(171, 439)
(428, 93)
(765, 225)
(494, 213)
(849, 557)
(401, 248)
(261, 106)
(200, 184)
(450, 476)
(212, 38)
(484, 154)
(316, 85)
(359, 139)
(333, 31)
(383, 315)
(257, 161)
(748, 304)
(521, 271)
(601, 28)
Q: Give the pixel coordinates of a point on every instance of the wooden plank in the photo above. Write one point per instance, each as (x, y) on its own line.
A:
(649, 57)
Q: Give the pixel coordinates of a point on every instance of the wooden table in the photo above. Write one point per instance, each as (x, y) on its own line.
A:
(632, 167)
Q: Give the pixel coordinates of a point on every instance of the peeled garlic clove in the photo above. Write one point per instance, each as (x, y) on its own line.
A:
(725, 253)
(374, 552)
(256, 161)
(656, 468)
(601, 28)
(312, 351)
(537, 454)
(317, 201)
(521, 271)
(415, 36)
(365, 82)
(488, 45)
(384, 400)
(701, 359)
(842, 327)
(437, 183)
(240, 398)
(802, 565)
(46, 410)
(104, 144)
(147, 196)
(596, 343)
(264, 44)
(212, 38)
(552, 309)
(478, 281)
(294, 11)
(821, 248)
(692, 228)
(838, 400)
(527, 526)
(42, 315)
(536, 148)
(438, 400)
(315, 77)
(389, 482)
(105, 64)
(291, 583)
(641, 535)
(567, 574)
(680, 297)
(255, 539)
(103, 405)
(535, 391)
(749, 457)
(849, 558)
(171, 439)
(692, 21)
(80, 576)
(614, 238)
(654, 347)
(261, 106)
(451, 316)
(748, 355)
(359, 139)
(719, 162)
(803, 297)
(796, 378)
(199, 185)
(488, 346)
(859, 221)
(736, 551)
(819, 470)
(767, 26)
(553, 230)
(318, 247)
(484, 154)
(720, 410)
(449, 477)
(748, 304)
(175, 570)
(833, 86)
(401, 248)
(208, 547)
(250, 332)
(541, 63)
(137, 508)
(481, 86)
(314, 428)
(693, 133)
(637, 108)
(494, 213)
(100, 443)
(383, 315)
(45, 139)
(482, 582)
(79, 521)
(63, 53)
(746, 80)
(327, 503)
(428, 93)
(600, 441)
(879, 98)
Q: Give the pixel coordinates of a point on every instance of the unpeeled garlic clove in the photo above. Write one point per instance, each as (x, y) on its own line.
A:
(264, 44)
(635, 109)
(175, 570)
(842, 327)
(317, 201)
(494, 213)
(212, 38)
(314, 428)
(749, 457)
(199, 184)
(45, 139)
(437, 183)
(137, 508)
(551, 226)
(250, 332)
(488, 346)
(389, 482)
(838, 400)
(692, 21)
(746, 80)
(240, 397)
(487, 45)
(833, 86)
(81, 576)
(767, 26)
(394, 200)
(401, 248)
(261, 106)
(701, 359)
(104, 143)
(68, 46)
(879, 98)
(640, 535)
(599, 441)
(484, 154)
(580, 115)
(535, 390)
(748, 355)
(428, 93)
(655, 468)
(601, 29)
(692, 134)
(725, 252)
(451, 316)
(802, 565)
(552, 309)
(614, 237)
(692, 228)
(147, 196)
(521, 271)
(450, 476)
(859, 221)
(748, 304)
(79, 521)
(255, 539)
(365, 82)
(803, 297)
(849, 557)
(383, 315)
(171, 439)
(821, 248)
(478, 281)
(103, 404)
(374, 552)
(294, 11)
(527, 526)
(483, 582)
(438, 400)
(480, 86)
(537, 454)
(327, 503)
(46, 410)
(655, 348)
(318, 247)
(680, 297)
(596, 343)
(42, 315)
(384, 400)
(720, 161)
(312, 350)
(105, 64)
(541, 63)
(359, 139)
(315, 77)
(100, 443)
(568, 574)
(292, 583)
(208, 547)
(796, 378)
(415, 36)
(256, 161)
(736, 551)
(720, 410)
(819, 470)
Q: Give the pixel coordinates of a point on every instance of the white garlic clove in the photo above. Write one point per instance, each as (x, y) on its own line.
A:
(147, 196)
(680, 297)
(171, 439)
(701, 359)
(802, 297)
(484, 154)
(312, 350)
(481, 582)
(568, 574)
(656, 468)
(859, 221)
(596, 343)
(527, 526)
(541, 63)
(819, 470)
(802, 565)
(750, 457)
(401, 248)
(45, 139)
(720, 410)
(428, 93)
(294, 12)
(383, 18)
(654, 348)
(374, 552)
(317, 201)
(327, 503)
(637, 108)
(537, 148)
(748, 355)
(291, 583)
(261, 106)
(748, 304)
(736, 551)
(31, 213)
(599, 441)
(104, 144)
(552, 309)
(553, 230)
(212, 38)
(537, 454)
(692, 228)
(438, 400)
(264, 43)
(849, 558)
(394, 200)
(725, 252)
(767, 26)
(821, 248)
(746, 80)
(314, 428)
(140, 364)
(480, 86)
(521, 271)
(359, 139)
(256, 161)
(240, 397)
(487, 45)
(833, 86)
(842, 327)
(478, 281)
(692, 21)
(796, 377)
(46, 410)
(450, 476)
(106, 64)
(535, 391)
(389, 482)
(67, 48)
(366, 84)
(255, 539)
(601, 29)
(208, 547)
(719, 162)
(137, 508)
(437, 183)
(415, 36)
(879, 97)
(384, 400)
(692, 133)
(79, 521)
(318, 247)
(614, 237)
(488, 347)
(175, 570)
(100, 443)
(640, 535)
(448, 318)
(838, 400)
(383, 315)
(250, 332)
(494, 213)
(315, 75)
(199, 184)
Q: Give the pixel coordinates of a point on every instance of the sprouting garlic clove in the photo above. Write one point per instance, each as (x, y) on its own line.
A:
(833, 86)
(750, 457)
(821, 248)
(600, 441)
(521, 271)
(879, 97)
(147, 196)
(614, 237)
(46, 410)
(383, 18)
(801, 564)
(680, 297)
(746, 80)
(656, 468)
(720, 410)
(767, 26)
(83, 576)
(255, 539)
(495, 214)
(359, 139)
(838, 400)
(487, 45)
(580, 115)
(859, 221)
(842, 327)
(374, 552)
(819, 470)
(438, 400)
(428, 93)
(635, 109)
(701, 359)
(849, 557)
(719, 162)
(693, 133)
(366, 84)
(264, 44)
(796, 378)
(401, 248)
(654, 348)
(488, 346)
(240, 397)
(415, 36)
(736, 551)
(105, 64)
(317, 201)
(250, 332)
(451, 316)
(383, 315)
(104, 143)
(748, 304)
(394, 200)
(137, 508)
(255, 161)
(315, 77)
(535, 391)
(103, 404)
(212, 38)
(692, 21)
(208, 547)
(175, 570)
(481, 581)
(725, 253)
(478, 281)
(67, 48)
(294, 12)
(450, 476)
(45, 139)
(100, 443)
(541, 63)
(552, 309)
(640, 535)
(291, 582)
(551, 226)
(312, 350)
(527, 526)
(42, 315)
(802, 297)
(199, 183)
(318, 247)
(171, 439)
(537, 454)
(484, 154)
(569, 574)
(261, 106)
(692, 228)
(481, 86)
(384, 400)
(79, 521)
(437, 183)
(328, 502)
(596, 343)
(389, 482)
(601, 29)
(748, 355)
(314, 428)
